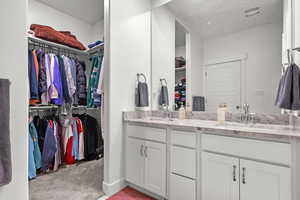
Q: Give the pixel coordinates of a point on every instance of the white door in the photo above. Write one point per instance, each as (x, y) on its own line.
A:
(220, 177)
(223, 85)
(155, 167)
(135, 161)
(262, 181)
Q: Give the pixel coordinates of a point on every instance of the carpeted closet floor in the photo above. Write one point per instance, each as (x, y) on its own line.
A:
(76, 182)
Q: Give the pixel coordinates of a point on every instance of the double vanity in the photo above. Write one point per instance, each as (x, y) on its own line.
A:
(194, 159)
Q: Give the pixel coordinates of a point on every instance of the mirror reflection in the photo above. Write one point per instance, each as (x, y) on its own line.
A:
(227, 53)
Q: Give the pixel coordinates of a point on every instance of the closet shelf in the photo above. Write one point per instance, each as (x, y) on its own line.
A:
(56, 45)
(97, 48)
(179, 69)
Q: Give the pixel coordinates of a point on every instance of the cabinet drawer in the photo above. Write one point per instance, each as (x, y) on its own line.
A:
(149, 133)
(183, 138)
(248, 148)
(183, 161)
(182, 188)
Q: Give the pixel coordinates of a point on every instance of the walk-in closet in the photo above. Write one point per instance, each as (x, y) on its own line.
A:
(66, 100)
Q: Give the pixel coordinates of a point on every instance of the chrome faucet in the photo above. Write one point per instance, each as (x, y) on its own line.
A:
(246, 116)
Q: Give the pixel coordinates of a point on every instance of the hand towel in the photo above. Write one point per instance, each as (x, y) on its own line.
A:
(288, 94)
(164, 96)
(142, 95)
(198, 103)
(5, 149)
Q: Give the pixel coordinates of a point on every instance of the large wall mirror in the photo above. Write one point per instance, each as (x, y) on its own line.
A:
(218, 52)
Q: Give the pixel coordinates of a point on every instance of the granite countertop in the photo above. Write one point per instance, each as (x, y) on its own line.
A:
(234, 127)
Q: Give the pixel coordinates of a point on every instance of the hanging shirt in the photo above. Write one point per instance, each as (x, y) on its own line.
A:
(42, 78)
(75, 140)
(31, 162)
(81, 139)
(48, 74)
(57, 160)
(33, 82)
(69, 158)
(56, 94)
(93, 81)
(70, 81)
(49, 148)
(36, 149)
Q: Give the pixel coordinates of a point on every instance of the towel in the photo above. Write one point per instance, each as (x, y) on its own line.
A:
(164, 96)
(288, 94)
(5, 149)
(142, 95)
(198, 103)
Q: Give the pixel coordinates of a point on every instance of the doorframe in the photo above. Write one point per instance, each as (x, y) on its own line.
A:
(240, 58)
(188, 64)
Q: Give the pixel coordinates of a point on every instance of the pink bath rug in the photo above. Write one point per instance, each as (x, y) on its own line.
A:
(130, 194)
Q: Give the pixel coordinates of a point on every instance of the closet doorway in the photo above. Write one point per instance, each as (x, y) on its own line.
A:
(66, 78)
(181, 65)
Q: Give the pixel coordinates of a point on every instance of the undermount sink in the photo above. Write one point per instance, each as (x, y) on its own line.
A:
(256, 126)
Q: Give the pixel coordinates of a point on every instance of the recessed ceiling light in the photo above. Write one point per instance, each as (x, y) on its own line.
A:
(209, 23)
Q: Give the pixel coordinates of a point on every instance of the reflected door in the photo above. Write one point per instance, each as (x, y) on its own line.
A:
(223, 85)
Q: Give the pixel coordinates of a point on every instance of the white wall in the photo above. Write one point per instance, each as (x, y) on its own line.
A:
(97, 32)
(13, 65)
(40, 13)
(163, 53)
(130, 50)
(263, 67)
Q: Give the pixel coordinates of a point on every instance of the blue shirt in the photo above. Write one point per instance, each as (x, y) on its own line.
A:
(31, 163)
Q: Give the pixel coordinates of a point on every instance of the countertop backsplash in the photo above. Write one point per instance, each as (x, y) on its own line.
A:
(259, 118)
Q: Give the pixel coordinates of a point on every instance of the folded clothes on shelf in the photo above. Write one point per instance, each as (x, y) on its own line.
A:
(95, 44)
(61, 37)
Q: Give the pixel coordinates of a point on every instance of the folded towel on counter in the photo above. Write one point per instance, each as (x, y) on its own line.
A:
(164, 96)
(198, 103)
(95, 44)
(142, 95)
(5, 149)
(288, 94)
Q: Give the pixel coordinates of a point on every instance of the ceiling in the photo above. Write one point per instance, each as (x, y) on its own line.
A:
(216, 17)
(90, 11)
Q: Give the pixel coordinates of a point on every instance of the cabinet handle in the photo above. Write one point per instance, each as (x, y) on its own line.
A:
(142, 150)
(244, 175)
(146, 151)
(234, 173)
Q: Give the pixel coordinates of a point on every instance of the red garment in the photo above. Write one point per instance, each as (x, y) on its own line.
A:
(50, 34)
(69, 154)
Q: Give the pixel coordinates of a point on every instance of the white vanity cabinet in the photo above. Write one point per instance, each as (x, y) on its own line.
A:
(183, 167)
(220, 177)
(237, 175)
(146, 158)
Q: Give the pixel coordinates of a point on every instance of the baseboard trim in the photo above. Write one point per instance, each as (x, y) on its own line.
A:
(111, 188)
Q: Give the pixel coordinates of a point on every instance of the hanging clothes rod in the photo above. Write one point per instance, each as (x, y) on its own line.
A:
(54, 107)
(56, 46)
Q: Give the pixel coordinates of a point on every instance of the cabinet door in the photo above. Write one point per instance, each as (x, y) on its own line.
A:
(220, 177)
(261, 181)
(155, 168)
(135, 161)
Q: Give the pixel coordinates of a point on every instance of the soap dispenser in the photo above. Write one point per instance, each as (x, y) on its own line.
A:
(181, 112)
(221, 112)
